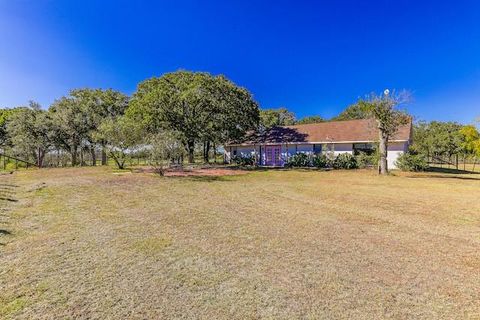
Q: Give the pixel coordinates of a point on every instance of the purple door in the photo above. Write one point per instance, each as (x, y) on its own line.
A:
(272, 156)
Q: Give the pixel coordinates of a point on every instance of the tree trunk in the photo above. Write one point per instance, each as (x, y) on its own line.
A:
(474, 163)
(120, 163)
(206, 157)
(93, 155)
(73, 153)
(191, 149)
(41, 156)
(104, 157)
(382, 148)
(82, 161)
(214, 153)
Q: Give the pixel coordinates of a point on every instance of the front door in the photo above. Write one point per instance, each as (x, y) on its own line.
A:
(272, 156)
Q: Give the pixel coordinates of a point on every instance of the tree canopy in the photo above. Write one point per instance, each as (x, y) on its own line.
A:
(4, 117)
(30, 133)
(310, 119)
(197, 105)
(352, 112)
(276, 117)
(76, 117)
(436, 139)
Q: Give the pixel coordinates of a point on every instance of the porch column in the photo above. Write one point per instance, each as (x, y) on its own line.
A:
(286, 152)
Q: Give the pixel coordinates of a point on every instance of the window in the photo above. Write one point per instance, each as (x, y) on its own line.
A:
(367, 148)
(317, 148)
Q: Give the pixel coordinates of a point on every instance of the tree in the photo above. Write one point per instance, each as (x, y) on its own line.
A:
(98, 106)
(70, 123)
(5, 115)
(471, 142)
(121, 136)
(30, 132)
(352, 112)
(77, 117)
(310, 119)
(276, 117)
(197, 105)
(437, 139)
(388, 118)
(166, 148)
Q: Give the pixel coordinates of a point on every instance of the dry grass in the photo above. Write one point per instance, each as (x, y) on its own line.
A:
(96, 244)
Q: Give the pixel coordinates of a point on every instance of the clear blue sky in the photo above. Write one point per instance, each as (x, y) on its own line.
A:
(313, 57)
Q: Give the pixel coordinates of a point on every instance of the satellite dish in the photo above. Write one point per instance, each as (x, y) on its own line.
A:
(386, 92)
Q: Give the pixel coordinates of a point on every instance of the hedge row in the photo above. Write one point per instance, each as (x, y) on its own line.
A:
(341, 161)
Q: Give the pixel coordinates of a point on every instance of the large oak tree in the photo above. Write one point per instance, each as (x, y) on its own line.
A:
(77, 117)
(197, 105)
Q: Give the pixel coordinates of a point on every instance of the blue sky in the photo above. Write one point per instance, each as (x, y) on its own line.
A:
(313, 57)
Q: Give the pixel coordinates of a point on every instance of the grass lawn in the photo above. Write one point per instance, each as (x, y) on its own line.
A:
(93, 243)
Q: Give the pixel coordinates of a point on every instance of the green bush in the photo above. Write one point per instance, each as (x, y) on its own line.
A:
(345, 161)
(299, 160)
(365, 160)
(244, 160)
(409, 161)
(321, 161)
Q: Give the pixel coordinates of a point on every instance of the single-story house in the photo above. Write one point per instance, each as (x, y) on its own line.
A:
(274, 146)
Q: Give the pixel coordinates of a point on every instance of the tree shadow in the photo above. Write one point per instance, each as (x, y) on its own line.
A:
(205, 178)
(430, 176)
(4, 232)
(450, 171)
(274, 135)
(8, 199)
(7, 185)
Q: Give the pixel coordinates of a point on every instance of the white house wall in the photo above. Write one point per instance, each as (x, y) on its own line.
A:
(342, 148)
(395, 149)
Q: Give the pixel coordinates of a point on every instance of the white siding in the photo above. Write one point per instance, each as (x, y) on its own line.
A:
(304, 148)
(395, 149)
(242, 151)
(342, 148)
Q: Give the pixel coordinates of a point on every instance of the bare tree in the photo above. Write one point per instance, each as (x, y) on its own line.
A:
(384, 109)
(166, 148)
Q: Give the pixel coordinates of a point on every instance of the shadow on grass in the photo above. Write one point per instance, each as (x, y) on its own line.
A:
(200, 178)
(450, 171)
(4, 232)
(429, 176)
(7, 186)
(8, 199)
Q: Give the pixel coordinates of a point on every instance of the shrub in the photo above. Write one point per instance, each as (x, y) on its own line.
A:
(345, 161)
(244, 160)
(321, 161)
(299, 160)
(365, 160)
(409, 161)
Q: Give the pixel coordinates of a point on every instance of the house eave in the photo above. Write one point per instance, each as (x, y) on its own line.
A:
(308, 142)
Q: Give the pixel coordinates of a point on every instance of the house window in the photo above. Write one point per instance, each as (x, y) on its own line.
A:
(235, 152)
(367, 148)
(317, 148)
